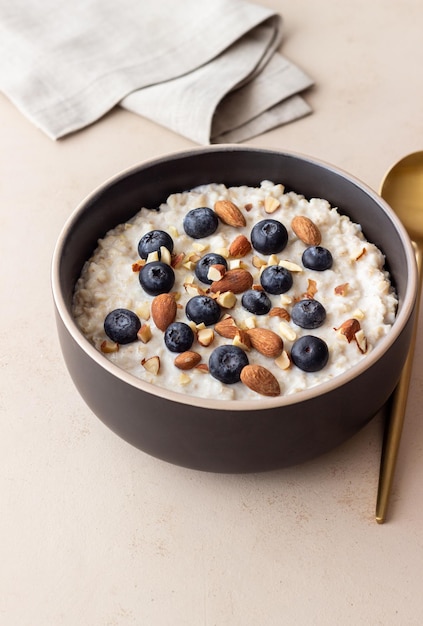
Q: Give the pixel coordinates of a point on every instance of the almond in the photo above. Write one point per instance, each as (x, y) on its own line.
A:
(226, 327)
(229, 213)
(266, 341)
(237, 281)
(261, 380)
(349, 328)
(187, 360)
(163, 310)
(239, 247)
(306, 230)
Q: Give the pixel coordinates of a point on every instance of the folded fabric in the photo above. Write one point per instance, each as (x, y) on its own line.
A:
(210, 72)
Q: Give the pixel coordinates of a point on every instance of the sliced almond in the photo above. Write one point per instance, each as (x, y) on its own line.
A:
(229, 213)
(250, 322)
(349, 328)
(152, 257)
(226, 327)
(187, 360)
(189, 265)
(258, 262)
(261, 380)
(223, 252)
(107, 347)
(358, 255)
(242, 340)
(239, 247)
(205, 336)
(184, 379)
(341, 290)
(358, 314)
(271, 204)
(165, 255)
(361, 341)
(273, 260)
(237, 281)
(216, 272)
(285, 299)
(289, 265)
(266, 341)
(283, 361)
(286, 331)
(163, 310)
(177, 260)
(202, 367)
(193, 289)
(152, 364)
(306, 230)
(311, 289)
(279, 311)
(144, 334)
(138, 265)
(227, 299)
(200, 247)
(143, 310)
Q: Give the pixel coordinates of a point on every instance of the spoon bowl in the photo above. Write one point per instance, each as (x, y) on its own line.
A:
(402, 188)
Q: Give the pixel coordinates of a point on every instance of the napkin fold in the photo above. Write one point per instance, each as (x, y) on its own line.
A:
(208, 71)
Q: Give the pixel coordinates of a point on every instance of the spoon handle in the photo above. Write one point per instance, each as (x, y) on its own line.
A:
(396, 420)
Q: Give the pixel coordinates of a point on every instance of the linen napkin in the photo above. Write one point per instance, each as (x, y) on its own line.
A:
(207, 70)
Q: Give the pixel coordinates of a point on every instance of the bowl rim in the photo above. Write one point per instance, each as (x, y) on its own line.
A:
(261, 403)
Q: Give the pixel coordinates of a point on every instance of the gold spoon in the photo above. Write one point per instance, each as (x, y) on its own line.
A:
(402, 188)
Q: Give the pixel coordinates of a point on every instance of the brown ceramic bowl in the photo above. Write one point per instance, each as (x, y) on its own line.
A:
(232, 436)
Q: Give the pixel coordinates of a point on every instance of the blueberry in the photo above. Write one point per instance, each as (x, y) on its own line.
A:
(308, 314)
(257, 302)
(203, 309)
(226, 363)
(310, 353)
(178, 337)
(201, 222)
(152, 242)
(269, 236)
(122, 325)
(202, 266)
(317, 258)
(156, 277)
(276, 279)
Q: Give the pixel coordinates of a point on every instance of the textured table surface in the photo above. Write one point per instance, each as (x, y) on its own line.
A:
(96, 533)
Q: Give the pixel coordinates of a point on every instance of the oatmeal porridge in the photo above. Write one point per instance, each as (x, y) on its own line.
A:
(235, 292)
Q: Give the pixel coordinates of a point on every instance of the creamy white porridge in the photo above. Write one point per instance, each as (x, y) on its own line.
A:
(355, 292)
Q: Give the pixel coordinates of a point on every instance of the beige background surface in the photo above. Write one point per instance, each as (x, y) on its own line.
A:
(96, 533)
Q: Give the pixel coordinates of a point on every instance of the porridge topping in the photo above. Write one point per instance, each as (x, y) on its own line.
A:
(235, 293)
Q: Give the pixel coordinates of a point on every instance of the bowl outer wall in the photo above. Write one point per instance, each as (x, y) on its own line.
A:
(220, 439)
